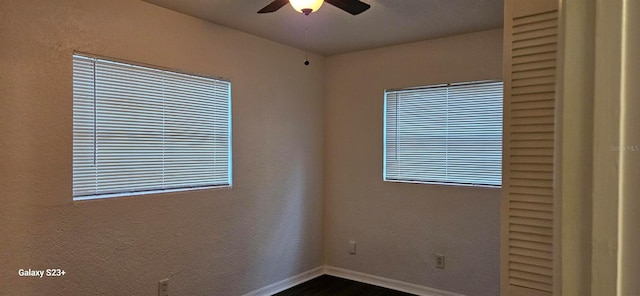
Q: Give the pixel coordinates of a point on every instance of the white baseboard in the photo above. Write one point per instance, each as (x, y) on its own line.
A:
(288, 283)
(386, 283)
(350, 275)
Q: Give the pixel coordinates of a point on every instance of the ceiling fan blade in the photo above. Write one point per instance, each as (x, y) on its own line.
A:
(351, 6)
(273, 6)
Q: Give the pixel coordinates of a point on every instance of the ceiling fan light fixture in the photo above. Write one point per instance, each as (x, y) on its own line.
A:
(306, 6)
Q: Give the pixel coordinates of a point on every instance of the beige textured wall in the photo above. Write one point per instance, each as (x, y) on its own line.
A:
(399, 227)
(213, 242)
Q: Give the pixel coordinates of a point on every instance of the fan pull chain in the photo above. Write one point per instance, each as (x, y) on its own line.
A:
(306, 41)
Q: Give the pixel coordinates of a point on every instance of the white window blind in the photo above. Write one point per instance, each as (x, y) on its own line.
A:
(450, 133)
(139, 130)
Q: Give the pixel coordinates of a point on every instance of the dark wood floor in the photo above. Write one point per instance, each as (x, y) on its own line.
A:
(327, 285)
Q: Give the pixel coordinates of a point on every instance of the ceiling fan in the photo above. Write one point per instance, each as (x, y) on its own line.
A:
(353, 7)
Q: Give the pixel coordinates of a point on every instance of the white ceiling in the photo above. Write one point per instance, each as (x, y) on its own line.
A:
(333, 31)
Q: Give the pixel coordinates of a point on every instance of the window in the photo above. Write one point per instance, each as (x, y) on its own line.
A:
(138, 129)
(450, 134)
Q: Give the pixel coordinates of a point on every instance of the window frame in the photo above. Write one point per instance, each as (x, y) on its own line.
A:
(385, 177)
(228, 127)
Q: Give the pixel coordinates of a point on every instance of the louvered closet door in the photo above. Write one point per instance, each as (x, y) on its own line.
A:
(528, 196)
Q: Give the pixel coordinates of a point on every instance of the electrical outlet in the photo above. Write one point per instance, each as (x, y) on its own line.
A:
(440, 261)
(352, 247)
(163, 287)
